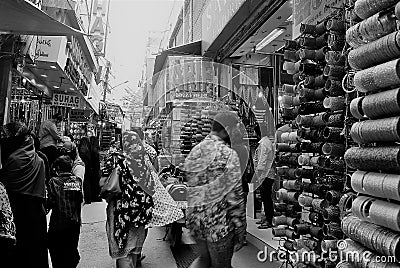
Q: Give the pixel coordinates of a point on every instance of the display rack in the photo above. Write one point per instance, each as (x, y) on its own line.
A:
(310, 155)
(373, 111)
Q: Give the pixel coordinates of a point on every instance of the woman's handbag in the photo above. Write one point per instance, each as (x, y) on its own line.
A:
(109, 186)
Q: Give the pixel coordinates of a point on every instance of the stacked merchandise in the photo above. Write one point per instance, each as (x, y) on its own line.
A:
(374, 222)
(195, 130)
(312, 164)
(78, 130)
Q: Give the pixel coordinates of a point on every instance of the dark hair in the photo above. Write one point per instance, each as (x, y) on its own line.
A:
(224, 120)
(58, 117)
(63, 163)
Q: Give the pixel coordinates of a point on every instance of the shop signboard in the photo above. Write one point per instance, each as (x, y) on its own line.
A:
(98, 29)
(64, 100)
(79, 115)
(190, 77)
(311, 12)
(48, 49)
(215, 17)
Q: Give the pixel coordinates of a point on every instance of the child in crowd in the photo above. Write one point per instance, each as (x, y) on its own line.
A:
(65, 198)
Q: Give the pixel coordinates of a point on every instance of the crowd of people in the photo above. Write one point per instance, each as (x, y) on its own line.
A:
(49, 173)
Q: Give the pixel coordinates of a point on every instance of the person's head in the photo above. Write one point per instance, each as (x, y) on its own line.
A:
(69, 149)
(140, 133)
(57, 118)
(223, 124)
(63, 164)
(12, 136)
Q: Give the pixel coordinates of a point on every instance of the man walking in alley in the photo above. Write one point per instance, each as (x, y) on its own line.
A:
(215, 195)
(48, 136)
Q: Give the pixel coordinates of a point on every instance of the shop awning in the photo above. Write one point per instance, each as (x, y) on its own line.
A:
(22, 17)
(188, 49)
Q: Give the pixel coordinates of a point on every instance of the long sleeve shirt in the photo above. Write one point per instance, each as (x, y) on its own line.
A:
(216, 204)
(264, 158)
(48, 134)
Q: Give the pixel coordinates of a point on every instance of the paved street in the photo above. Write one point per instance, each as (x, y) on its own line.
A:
(94, 249)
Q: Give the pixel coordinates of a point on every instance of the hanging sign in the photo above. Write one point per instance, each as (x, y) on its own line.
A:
(79, 115)
(311, 12)
(66, 100)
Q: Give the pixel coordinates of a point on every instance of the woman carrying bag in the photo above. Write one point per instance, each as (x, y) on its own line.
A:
(137, 205)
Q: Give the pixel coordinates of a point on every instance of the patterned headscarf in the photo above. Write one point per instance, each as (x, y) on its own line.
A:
(135, 153)
(135, 205)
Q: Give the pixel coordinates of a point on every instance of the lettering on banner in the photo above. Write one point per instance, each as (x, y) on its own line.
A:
(66, 100)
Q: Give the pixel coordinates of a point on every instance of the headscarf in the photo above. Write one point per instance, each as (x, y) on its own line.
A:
(134, 207)
(135, 158)
(23, 171)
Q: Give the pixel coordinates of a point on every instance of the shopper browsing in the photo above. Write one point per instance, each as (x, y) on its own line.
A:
(49, 137)
(264, 168)
(64, 199)
(215, 194)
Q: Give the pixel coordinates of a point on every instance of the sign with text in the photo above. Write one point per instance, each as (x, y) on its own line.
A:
(66, 100)
(79, 115)
(48, 48)
(98, 28)
(215, 17)
(311, 12)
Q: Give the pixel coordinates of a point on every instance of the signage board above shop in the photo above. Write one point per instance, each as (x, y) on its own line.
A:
(64, 100)
(311, 12)
(79, 115)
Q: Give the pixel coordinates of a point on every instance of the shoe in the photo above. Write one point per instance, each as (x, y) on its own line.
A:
(260, 222)
(265, 226)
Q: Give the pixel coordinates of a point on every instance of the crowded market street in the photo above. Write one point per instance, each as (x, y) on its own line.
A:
(200, 133)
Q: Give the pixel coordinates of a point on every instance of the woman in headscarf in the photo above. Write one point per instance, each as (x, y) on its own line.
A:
(144, 202)
(86, 156)
(23, 175)
(128, 213)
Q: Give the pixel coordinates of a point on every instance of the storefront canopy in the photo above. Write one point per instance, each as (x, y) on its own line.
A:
(22, 17)
(188, 49)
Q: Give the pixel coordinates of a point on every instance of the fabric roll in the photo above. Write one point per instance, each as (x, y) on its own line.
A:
(356, 108)
(333, 149)
(382, 185)
(379, 130)
(382, 104)
(378, 77)
(335, 103)
(370, 29)
(372, 236)
(334, 87)
(367, 8)
(377, 211)
(314, 82)
(378, 51)
(374, 158)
